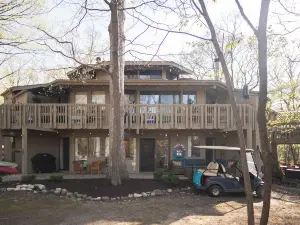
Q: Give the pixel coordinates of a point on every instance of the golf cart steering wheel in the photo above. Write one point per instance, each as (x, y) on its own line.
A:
(234, 164)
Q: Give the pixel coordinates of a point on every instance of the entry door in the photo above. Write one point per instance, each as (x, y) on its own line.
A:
(210, 154)
(66, 155)
(147, 155)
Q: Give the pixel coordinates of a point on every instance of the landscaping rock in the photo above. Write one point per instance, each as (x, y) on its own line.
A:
(22, 189)
(144, 194)
(157, 192)
(40, 187)
(58, 189)
(28, 189)
(69, 194)
(169, 190)
(105, 198)
(79, 199)
(176, 190)
(10, 189)
(153, 194)
(113, 199)
(84, 196)
(75, 193)
(30, 186)
(57, 192)
(44, 191)
(136, 195)
(3, 189)
(35, 192)
(79, 195)
(118, 198)
(19, 186)
(52, 191)
(123, 198)
(98, 199)
(130, 196)
(64, 191)
(17, 189)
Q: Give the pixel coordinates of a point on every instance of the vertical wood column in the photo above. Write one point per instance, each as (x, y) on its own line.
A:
(89, 97)
(71, 153)
(164, 74)
(137, 157)
(249, 137)
(189, 146)
(24, 152)
(201, 96)
(138, 94)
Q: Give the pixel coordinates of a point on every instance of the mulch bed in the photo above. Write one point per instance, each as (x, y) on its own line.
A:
(102, 187)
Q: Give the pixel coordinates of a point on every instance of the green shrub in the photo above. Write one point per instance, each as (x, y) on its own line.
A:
(158, 174)
(28, 178)
(56, 178)
(172, 179)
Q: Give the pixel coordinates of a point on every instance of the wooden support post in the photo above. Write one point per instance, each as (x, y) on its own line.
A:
(24, 150)
(249, 137)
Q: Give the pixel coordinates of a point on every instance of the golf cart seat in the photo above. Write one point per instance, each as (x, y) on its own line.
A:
(211, 169)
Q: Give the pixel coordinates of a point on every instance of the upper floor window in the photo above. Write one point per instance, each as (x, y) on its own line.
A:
(81, 98)
(98, 97)
(130, 97)
(144, 74)
(189, 98)
(160, 98)
(132, 74)
(150, 74)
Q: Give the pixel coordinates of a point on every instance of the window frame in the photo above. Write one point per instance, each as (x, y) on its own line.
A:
(81, 94)
(98, 93)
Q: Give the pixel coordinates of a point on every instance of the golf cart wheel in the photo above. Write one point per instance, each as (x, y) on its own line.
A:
(215, 191)
(260, 191)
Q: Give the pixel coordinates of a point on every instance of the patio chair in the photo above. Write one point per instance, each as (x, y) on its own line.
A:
(78, 166)
(96, 166)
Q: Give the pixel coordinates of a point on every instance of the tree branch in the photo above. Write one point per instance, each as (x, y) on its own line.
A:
(245, 17)
(170, 31)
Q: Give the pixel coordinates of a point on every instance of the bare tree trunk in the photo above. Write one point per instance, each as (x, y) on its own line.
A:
(117, 165)
(239, 126)
(277, 172)
(292, 151)
(262, 105)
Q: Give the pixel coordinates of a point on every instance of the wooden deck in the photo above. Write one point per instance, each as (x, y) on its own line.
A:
(93, 116)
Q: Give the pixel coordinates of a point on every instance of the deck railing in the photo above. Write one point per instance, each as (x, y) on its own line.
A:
(137, 116)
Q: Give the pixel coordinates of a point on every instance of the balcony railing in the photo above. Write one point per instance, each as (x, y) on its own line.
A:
(93, 116)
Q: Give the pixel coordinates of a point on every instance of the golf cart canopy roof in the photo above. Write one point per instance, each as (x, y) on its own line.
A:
(222, 148)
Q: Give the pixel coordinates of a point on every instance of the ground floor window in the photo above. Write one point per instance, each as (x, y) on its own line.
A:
(197, 152)
(130, 148)
(129, 145)
(161, 154)
(87, 147)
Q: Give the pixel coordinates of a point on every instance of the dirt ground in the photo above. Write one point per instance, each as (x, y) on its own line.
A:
(177, 209)
(102, 187)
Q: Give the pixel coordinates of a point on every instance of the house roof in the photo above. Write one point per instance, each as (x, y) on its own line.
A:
(180, 82)
(127, 83)
(136, 65)
(22, 88)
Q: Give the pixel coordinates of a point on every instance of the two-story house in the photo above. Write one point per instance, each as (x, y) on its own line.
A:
(70, 118)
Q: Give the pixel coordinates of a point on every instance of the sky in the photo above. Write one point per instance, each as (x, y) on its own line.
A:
(65, 16)
(60, 19)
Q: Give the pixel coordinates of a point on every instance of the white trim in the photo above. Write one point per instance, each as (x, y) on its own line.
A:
(222, 148)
